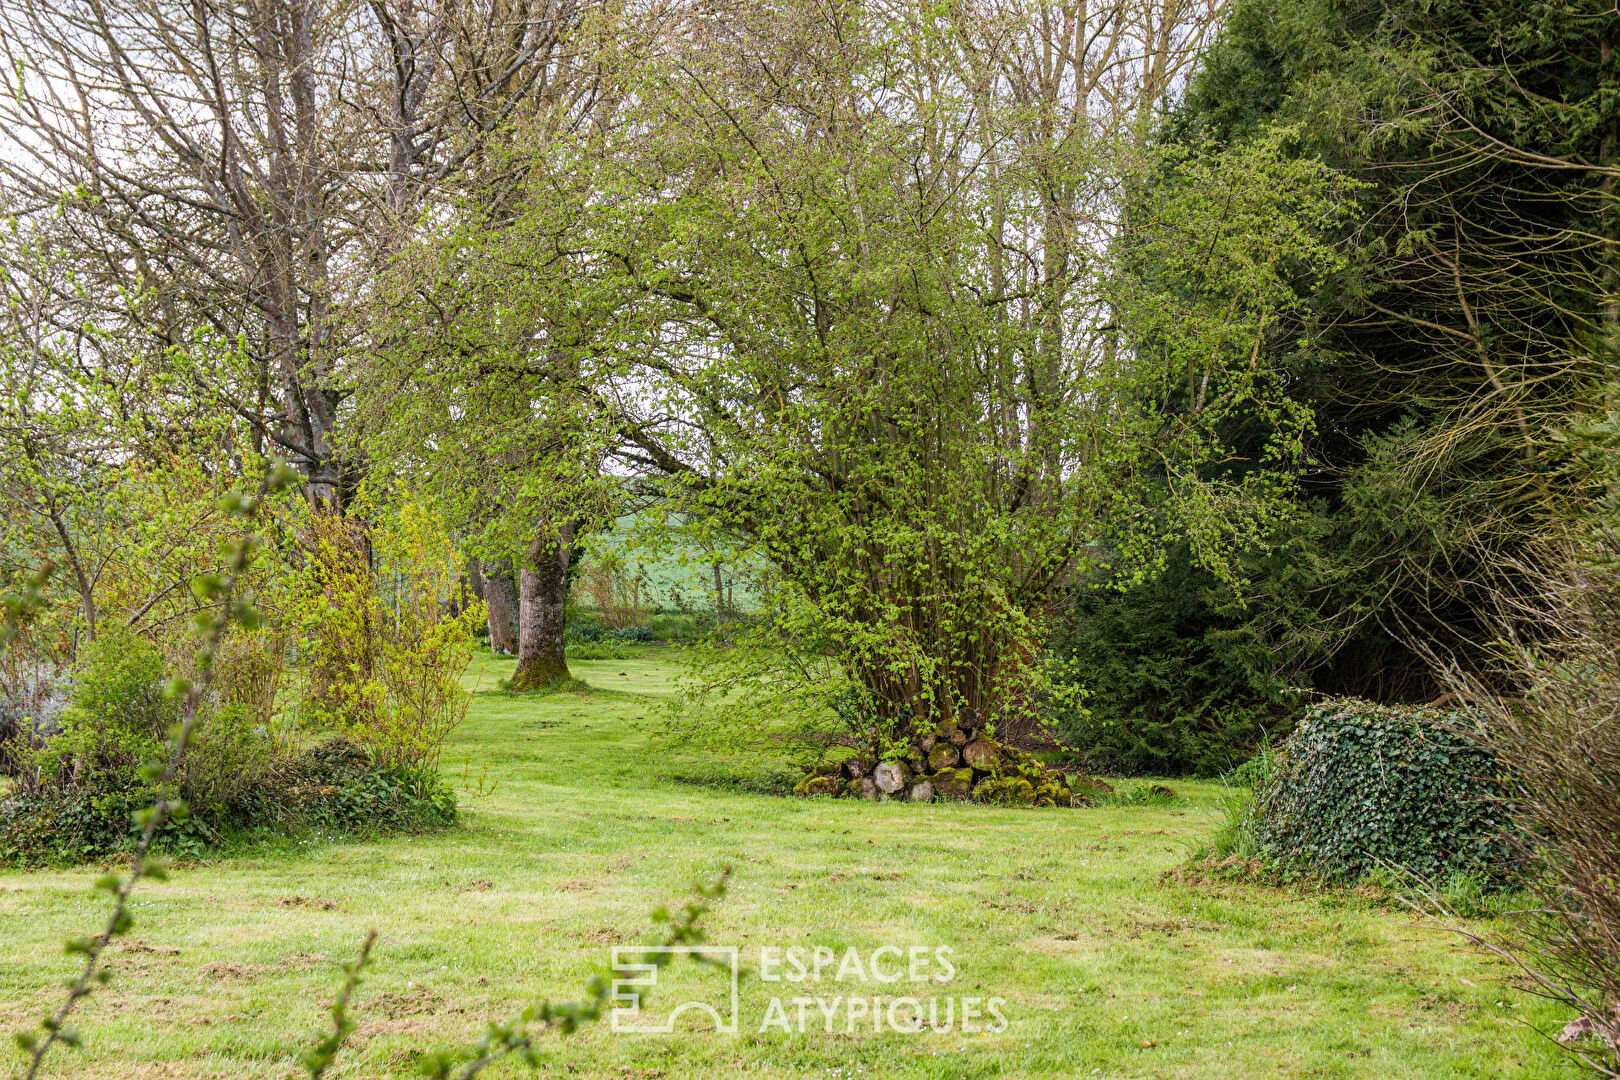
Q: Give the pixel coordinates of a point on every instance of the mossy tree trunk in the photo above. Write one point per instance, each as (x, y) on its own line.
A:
(542, 599)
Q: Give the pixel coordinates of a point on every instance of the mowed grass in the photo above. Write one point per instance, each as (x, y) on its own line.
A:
(1107, 967)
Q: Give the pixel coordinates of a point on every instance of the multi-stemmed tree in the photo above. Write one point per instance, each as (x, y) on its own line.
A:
(840, 281)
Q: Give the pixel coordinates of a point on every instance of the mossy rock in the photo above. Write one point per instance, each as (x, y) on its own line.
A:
(856, 767)
(1009, 790)
(983, 754)
(1035, 771)
(953, 783)
(892, 776)
(818, 785)
(942, 756)
(1051, 795)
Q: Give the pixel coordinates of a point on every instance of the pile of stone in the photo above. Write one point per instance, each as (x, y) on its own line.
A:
(956, 759)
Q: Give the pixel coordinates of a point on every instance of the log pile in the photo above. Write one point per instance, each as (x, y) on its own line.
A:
(956, 759)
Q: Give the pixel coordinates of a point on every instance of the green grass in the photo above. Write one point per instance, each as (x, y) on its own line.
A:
(1066, 914)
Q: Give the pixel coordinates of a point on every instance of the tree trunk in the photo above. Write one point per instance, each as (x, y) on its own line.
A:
(501, 595)
(542, 596)
(87, 593)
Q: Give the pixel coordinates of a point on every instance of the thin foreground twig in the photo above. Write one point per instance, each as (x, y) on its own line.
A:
(208, 587)
(517, 1037)
(319, 1059)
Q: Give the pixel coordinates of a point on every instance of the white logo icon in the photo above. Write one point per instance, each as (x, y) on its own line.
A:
(627, 1015)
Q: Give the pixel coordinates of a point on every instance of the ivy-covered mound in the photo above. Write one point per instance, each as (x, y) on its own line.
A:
(955, 759)
(1360, 785)
(333, 787)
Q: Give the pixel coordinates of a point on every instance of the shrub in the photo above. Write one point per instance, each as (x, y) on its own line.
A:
(339, 785)
(1361, 786)
(335, 786)
(592, 634)
(336, 613)
(235, 779)
(1555, 729)
(383, 657)
(1174, 681)
(62, 825)
(118, 714)
(247, 671)
(228, 756)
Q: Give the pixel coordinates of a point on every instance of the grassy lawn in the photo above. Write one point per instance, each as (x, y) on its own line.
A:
(1107, 968)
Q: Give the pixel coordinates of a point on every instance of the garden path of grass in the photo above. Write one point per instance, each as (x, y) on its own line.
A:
(1107, 968)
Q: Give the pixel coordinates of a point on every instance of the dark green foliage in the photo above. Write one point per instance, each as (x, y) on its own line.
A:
(71, 825)
(857, 717)
(337, 785)
(661, 628)
(1360, 786)
(592, 642)
(1176, 679)
(1471, 318)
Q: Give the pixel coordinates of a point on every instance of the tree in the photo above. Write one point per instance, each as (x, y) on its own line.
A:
(818, 299)
(96, 466)
(494, 585)
(235, 171)
(466, 392)
(1478, 312)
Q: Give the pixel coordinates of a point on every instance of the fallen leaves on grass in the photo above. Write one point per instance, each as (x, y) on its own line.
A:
(314, 902)
(244, 972)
